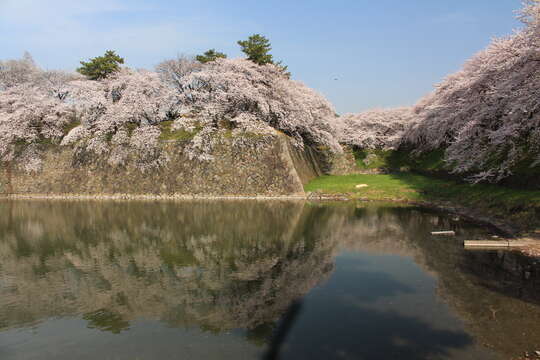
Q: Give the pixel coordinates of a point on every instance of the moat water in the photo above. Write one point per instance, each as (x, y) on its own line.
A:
(256, 280)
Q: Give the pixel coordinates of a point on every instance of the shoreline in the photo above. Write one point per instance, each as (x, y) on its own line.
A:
(467, 213)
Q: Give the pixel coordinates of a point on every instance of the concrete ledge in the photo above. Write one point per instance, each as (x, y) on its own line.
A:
(149, 197)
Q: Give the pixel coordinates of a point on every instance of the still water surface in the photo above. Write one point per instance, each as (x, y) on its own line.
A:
(234, 280)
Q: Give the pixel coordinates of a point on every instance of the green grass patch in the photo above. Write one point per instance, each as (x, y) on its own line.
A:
(372, 159)
(168, 133)
(130, 127)
(20, 144)
(380, 187)
(418, 187)
(519, 206)
(251, 135)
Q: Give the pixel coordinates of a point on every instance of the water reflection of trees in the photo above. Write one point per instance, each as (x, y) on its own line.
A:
(496, 293)
(225, 265)
(216, 266)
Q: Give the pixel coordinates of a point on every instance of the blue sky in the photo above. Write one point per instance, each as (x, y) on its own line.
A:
(383, 53)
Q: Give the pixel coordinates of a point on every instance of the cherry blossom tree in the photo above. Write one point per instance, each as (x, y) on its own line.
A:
(29, 115)
(173, 71)
(17, 71)
(254, 97)
(121, 117)
(374, 129)
(487, 115)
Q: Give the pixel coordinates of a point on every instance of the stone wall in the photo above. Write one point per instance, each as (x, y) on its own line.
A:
(253, 165)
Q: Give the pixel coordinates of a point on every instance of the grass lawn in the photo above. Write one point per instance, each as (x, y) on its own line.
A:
(519, 206)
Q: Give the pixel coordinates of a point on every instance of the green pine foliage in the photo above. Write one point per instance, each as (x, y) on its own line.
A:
(257, 48)
(102, 66)
(210, 55)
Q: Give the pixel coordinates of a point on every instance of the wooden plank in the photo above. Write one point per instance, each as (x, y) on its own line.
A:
(447, 233)
(498, 244)
(487, 244)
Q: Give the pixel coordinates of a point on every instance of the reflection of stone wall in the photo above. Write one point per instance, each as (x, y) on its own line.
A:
(214, 265)
(242, 165)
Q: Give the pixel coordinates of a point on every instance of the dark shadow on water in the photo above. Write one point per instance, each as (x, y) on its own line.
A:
(362, 334)
(284, 327)
(332, 327)
(369, 334)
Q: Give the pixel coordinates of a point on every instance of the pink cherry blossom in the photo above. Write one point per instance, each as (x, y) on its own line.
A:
(119, 118)
(374, 129)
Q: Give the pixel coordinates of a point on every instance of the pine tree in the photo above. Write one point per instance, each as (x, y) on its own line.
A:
(102, 66)
(210, 55)
(257, 49)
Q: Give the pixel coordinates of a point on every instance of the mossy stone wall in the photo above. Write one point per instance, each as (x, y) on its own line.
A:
(257, 165)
